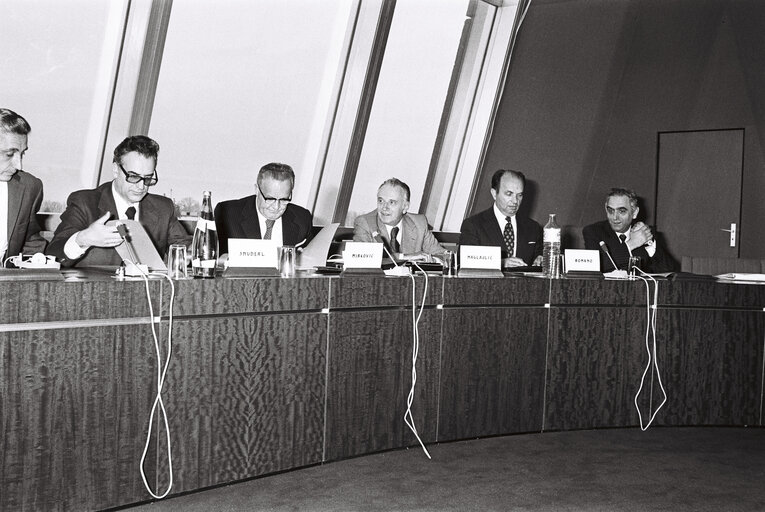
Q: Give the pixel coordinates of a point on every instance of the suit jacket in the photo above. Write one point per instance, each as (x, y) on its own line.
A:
(415, 236)
(594, 233)
(157, 216)
(483, 229)
(239, 219)
(25, 193)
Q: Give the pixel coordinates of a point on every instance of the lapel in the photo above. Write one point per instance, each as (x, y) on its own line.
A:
(106, 202)
(249, 221)
(16, 193)
(408, 235)
(289, 228)
(493, 231)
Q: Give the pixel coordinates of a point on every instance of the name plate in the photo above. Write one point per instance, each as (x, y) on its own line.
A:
(246, 252)
(362, 255)
(480, 257)
(582, 260)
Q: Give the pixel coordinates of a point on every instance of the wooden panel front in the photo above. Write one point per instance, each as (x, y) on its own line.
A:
(245, 397)
(73, 411)
(492, 376)
(711, 366)
(369, 378)
(595, 361)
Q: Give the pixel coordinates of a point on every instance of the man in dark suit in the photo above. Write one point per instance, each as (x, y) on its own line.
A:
(84, 239)
(19, 230)
(269, 214)
(519, 237)
(407, 234)
(624, 237)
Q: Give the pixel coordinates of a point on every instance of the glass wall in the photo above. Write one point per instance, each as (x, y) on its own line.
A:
(409, 100)
(57, 69)
(244, 83)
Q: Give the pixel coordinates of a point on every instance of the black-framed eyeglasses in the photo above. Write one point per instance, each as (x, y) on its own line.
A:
(134, 178)
(271, 201)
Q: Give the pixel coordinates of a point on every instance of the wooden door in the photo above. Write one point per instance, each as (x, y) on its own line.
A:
(698, 191)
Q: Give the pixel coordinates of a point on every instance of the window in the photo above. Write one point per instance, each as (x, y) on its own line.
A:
(257, 88)
(59, 76)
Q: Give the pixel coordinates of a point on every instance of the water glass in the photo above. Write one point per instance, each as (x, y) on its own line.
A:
(176, 262)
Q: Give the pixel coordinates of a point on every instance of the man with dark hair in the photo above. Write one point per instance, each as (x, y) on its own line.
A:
(269, 214)
(83, 238)
(519, 237)
(624, 237)
(19, 190)
(407, 234)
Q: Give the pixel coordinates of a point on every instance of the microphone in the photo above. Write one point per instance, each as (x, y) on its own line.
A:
(122, 230)
(381, 240)
(604, 248)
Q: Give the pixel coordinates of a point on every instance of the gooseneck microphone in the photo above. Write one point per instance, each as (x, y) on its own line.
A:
(378, 238)
(122, 230)
(604, 248)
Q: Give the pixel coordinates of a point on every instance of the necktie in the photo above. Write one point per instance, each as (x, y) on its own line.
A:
(622, 238)
(621, 257)
(130, 213)
(509, 237)
(269, 228)
(394, 240)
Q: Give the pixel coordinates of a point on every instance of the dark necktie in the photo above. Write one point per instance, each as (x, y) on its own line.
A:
(394, 240)
(509, 236)
(269, 228)
(130, 213)
(621, 257)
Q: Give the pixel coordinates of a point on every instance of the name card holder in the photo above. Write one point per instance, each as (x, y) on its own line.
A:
(362, 258)
(582, 263)
(252, 258)
(480, 261)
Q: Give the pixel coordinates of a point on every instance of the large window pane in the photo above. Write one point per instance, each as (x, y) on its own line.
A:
(244, 83)
(409, 100)
(57, 63)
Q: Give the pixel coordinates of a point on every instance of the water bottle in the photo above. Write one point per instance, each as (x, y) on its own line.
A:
(204, 248)
(551, 251)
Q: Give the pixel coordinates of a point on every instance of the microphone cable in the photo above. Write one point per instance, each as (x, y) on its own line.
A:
(650, 347)
(159, 405)
(408, 417)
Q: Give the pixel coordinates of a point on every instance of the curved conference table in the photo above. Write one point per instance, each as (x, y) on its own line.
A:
(269, 374)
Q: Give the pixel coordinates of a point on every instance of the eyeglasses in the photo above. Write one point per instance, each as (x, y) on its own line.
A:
(134, 178)
(271, 201)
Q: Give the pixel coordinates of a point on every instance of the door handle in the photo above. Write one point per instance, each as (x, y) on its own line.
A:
(732, 232)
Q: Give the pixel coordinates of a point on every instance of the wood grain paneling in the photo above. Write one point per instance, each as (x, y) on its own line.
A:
(369, 378)
(712, 294)
(597, 291)
(73, 407)
(492, 371)
(255, 295)
(711, 366)
(245, 397)
(370, 291)
(595, 362)
(56, 301)
(486, 291)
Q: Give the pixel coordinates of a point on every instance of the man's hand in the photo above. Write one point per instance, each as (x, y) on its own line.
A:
(513, 262)
(416, 256)
(99, 234)
(640, 234)
(537, 261)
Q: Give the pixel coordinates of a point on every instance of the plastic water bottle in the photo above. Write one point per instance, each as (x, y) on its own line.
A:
(204, 248)
(551, 251)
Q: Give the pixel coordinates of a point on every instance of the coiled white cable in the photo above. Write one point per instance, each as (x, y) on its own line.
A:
(408, 418)
(650, 348)
(161, 374)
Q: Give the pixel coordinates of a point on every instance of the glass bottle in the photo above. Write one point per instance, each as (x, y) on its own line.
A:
(551, 249)
(204, 248)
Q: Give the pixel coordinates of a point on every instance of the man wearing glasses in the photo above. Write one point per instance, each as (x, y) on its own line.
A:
(84, 239)
(267, 215)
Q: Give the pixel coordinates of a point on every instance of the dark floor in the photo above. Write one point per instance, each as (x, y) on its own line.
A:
(672, 469)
